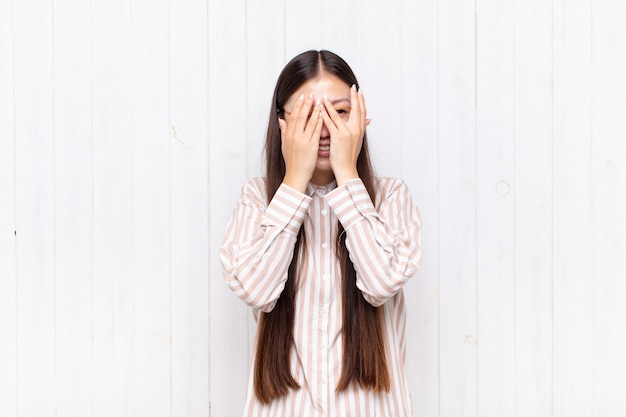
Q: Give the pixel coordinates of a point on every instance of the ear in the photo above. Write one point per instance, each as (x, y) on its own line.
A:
(282, 124)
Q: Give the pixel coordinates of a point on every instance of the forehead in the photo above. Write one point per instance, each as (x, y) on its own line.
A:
(324, 85)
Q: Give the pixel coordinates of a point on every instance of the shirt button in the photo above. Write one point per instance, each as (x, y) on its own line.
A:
(324, 245)
(324, 212)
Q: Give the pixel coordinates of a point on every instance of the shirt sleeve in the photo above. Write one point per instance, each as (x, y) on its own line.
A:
(383, 242)
(258, 244)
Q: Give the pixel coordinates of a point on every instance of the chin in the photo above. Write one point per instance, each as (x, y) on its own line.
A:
(323, 167)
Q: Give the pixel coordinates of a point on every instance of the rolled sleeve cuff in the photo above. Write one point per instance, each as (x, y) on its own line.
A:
(351, 202)
(287, 210)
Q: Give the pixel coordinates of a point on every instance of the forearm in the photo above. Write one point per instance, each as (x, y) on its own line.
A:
(384, 243)
(258, 247)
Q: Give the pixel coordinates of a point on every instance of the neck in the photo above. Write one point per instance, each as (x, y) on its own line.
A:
(322, 178)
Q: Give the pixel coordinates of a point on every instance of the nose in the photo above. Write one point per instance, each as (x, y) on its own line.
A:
(325, 132)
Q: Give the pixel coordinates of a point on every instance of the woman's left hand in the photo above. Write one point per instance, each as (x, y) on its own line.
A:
(346, 138)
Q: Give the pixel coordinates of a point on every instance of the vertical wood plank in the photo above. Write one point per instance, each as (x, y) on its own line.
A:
(265, 58)
(573, 268)
(495, 216)
(608, 199)
(35, 250)
(189, 208)
(418, 143)
(303, 21)
(533, 208)
(112, 282)
(8, 277)
(227, 175)
(382, 91)
(150, 208)
(73, 206)
(342, 31)
(457, 209)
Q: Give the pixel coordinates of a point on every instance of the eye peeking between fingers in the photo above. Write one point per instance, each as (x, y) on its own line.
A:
(343, 112)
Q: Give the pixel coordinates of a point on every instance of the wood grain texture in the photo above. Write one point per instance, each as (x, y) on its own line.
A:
(35, 209)
(457, 209)
(608, 205)
(150, 209)
(73, 208)
(533, 209)
(188, 200)
(495, 208)
(112, 196)
(8, 236)
(418, 147)
(228, 316)
(572, 306)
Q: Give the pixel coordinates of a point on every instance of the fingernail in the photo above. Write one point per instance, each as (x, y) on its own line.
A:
(311, 96)
(354, 87)
(325, 98)
(301, 97)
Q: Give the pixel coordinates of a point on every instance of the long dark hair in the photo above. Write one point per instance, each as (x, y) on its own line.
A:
(364, 361)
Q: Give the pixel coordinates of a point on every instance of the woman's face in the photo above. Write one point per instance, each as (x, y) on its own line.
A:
(338, 93)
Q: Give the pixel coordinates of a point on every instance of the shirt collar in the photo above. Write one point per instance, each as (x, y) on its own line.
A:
(320, 190)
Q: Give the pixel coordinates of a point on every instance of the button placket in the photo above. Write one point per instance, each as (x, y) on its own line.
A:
(323, 319)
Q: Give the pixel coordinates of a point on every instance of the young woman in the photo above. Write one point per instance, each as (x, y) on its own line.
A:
(320, 249)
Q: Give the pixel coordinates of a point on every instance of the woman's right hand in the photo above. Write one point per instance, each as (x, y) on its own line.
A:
(300, 136)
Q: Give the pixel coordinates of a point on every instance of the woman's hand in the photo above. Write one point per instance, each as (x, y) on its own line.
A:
(300, 142)
(346, 138)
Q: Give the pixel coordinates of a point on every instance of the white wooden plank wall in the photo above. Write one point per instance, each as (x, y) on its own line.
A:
(532, 192)
(128, 128)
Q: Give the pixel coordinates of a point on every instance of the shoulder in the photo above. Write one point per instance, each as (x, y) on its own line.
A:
(387, 187)
(254, 191)
(393, 195)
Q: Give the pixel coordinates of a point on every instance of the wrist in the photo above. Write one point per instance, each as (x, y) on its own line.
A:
(345, 175)
(297, 182)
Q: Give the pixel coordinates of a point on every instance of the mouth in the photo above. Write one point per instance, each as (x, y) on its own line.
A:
(323, 150)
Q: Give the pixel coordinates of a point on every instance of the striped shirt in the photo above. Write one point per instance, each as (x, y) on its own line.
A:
(384, 245)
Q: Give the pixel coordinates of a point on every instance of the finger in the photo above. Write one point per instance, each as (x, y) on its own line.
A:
(318, 126)
(355, 113)
(330, 124)
(282, 124)
(295, 111)
(312, 123)
(304, 111)
(363, 109)
(332, 114)
(297, 106)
